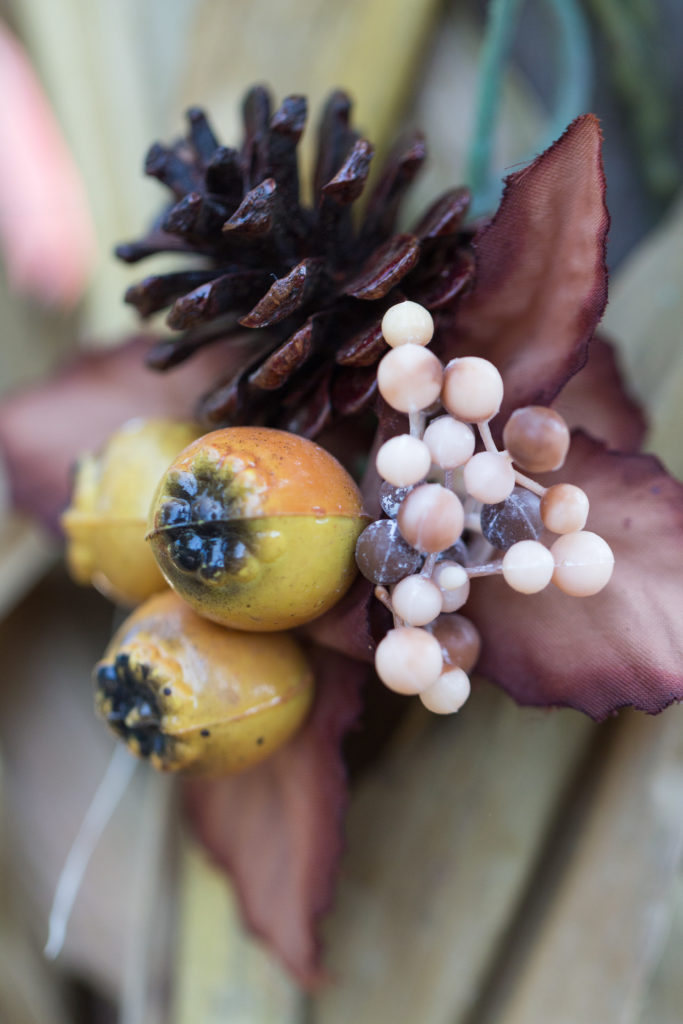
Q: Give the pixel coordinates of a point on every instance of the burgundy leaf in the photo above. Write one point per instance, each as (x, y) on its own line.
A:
(278, 829)
(386, 267)
(621, 647)
(541, 282)
(596, 400)
(346, 627)
(45, 428)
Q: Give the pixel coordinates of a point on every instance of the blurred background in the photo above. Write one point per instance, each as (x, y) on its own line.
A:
(561, 897)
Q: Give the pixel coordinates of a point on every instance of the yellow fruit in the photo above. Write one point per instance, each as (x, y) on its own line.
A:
(194, 697)
(256, 528)
(105, 524)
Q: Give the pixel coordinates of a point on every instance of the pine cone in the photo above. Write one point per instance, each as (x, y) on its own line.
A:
(311, 284)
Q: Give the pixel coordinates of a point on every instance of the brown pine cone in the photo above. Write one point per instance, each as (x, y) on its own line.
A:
(312, 284)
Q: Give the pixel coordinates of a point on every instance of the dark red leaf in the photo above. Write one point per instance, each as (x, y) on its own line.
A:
(541, 282)
(346, 627)
(621, 647)
(45, 428)
(278, 829)
(596, 400)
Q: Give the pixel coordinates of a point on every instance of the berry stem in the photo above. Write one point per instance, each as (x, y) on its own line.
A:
(531, 485)
(487, 569)
(417, 424)
(428, 567)
(487, 437)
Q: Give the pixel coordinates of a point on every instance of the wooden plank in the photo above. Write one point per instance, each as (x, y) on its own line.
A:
(663, 1003)
(442, 840)
(607, 919)
(26, 553)
(221, 973)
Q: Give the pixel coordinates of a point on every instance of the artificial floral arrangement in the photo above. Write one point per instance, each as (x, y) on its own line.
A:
(393, 402)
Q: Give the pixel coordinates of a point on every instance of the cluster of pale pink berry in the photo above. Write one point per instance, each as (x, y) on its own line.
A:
(454, 514)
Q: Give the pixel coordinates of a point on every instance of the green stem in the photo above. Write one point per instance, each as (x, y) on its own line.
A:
(573, 86)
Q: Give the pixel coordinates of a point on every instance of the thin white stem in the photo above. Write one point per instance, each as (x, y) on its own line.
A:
(487, 437)
(428, 567)
(417, 424)
(120, 771)
(382, 594)
(449, 479)
(489, 569)
(531, 485)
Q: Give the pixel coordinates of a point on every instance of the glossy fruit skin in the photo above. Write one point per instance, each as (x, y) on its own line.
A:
(194, 697)
(271, 538)
(105, 524)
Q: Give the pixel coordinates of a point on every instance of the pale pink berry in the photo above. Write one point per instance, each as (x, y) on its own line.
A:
(431, 518)
(448, 694)
(583, 563)
(472, 389)
(564, 508)
(450, 442)
(489, 477)
(408, 660)
(403, 460)
(537, 439)
(409, 378)
(416, 600)
(407, 323)
(528, 566)
(452, 580)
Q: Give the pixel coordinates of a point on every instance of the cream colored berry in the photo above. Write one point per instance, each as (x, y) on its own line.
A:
(452, 580)
(450, 442)
(564, 508)
(528, 566)
(409, 378)
(407, 323)
(416, 600)
(431, 518)
(584, 563)
(408, 660)
(448, 694)
(472, 389)
(403, 460)
(489, 477)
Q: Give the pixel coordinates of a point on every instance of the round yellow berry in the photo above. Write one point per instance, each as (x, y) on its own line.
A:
(194, 697)
(105, 524)
(256, 528)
